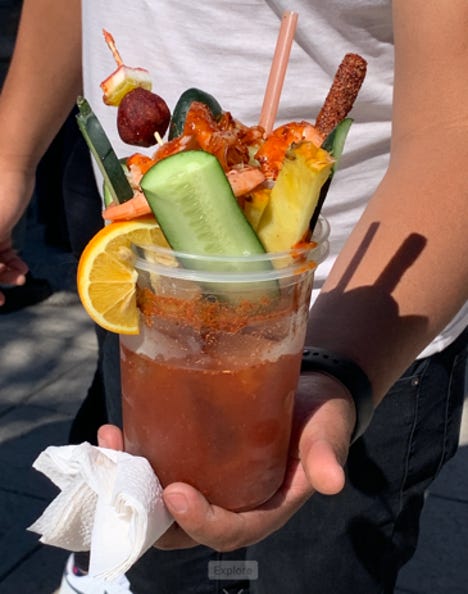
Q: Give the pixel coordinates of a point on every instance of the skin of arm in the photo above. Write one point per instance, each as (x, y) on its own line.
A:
(384, 299)
(417, 212)
(41, 86)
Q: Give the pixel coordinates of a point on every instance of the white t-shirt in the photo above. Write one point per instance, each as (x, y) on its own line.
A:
(226, 48)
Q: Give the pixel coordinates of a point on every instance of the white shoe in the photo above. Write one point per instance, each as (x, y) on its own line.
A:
(85, 584)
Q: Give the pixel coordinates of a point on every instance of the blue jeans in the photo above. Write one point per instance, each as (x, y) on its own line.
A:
(82, 206)
(358, 540)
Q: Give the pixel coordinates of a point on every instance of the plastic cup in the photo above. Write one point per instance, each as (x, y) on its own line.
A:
(208, 385)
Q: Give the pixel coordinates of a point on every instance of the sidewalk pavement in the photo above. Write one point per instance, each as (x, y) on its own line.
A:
(47, 359)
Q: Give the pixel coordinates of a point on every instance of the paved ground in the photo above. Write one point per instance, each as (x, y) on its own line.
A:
(47, 357)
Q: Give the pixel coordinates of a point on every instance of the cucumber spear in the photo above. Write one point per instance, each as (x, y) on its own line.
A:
(334, 144)
(103, 153)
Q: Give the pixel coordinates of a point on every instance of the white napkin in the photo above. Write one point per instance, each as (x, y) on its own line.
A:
(110, 503)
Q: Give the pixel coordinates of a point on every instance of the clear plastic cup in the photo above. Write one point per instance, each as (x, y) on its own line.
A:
(208, 385)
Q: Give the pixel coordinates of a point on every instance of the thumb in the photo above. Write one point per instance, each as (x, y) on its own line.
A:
(110, 436)
(323, 467)
(325, 439)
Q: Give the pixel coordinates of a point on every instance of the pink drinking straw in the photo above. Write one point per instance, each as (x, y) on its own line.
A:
(278, 70)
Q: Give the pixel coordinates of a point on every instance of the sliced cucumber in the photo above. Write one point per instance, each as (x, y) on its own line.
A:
(334, 144)
(198, 213)
(194, 204)
(102, 151)
(335, 141)
(106, 191)
(183, 105)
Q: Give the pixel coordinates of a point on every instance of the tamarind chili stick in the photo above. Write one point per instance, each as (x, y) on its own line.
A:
(342, 94)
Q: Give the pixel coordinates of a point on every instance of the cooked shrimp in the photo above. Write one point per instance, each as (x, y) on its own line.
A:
(139, 163)
(200, 123)
(176, 145)
(131, 209)
(271, 153)
(226, 138)
(244, 180)
(229, 140)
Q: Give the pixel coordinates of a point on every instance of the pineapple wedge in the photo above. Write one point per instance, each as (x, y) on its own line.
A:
(286, 218)
(255, 204)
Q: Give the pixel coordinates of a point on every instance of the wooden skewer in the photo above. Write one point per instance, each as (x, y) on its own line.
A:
(111, 44)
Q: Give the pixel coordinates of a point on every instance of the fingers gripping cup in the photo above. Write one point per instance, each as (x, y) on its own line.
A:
(208, 384)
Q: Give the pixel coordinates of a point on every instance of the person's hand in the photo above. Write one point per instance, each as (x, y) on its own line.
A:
(12, 267)
(324, 420)
(16, 187)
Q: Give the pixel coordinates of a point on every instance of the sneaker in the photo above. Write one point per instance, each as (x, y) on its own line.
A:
(75, 583)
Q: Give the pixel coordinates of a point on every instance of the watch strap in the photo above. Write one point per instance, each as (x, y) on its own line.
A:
(350, 375)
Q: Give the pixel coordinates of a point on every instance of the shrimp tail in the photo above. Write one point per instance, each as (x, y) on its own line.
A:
(135, 207)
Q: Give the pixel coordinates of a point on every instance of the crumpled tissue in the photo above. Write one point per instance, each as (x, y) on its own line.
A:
(110, 503)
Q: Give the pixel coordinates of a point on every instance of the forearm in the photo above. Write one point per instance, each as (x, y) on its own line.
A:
(43, 80)
(40, 89)
(403, 273)
(400, 278)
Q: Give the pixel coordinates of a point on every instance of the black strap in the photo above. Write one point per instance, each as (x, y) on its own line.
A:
(350, 375)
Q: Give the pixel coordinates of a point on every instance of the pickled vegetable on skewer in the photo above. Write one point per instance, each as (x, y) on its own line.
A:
(124, 79)
(141, 113)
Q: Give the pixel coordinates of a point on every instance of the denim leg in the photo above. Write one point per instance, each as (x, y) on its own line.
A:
(184, 572)
(357, 541)
(82, 202)
(109, 354)
(82, 205)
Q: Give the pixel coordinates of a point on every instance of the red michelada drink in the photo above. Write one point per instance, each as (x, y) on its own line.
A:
(212, 304)
(208, 384)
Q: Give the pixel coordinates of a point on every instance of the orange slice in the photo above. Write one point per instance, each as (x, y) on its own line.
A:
(106, 277)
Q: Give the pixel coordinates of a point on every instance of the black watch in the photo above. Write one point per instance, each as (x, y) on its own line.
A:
(350, 375)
